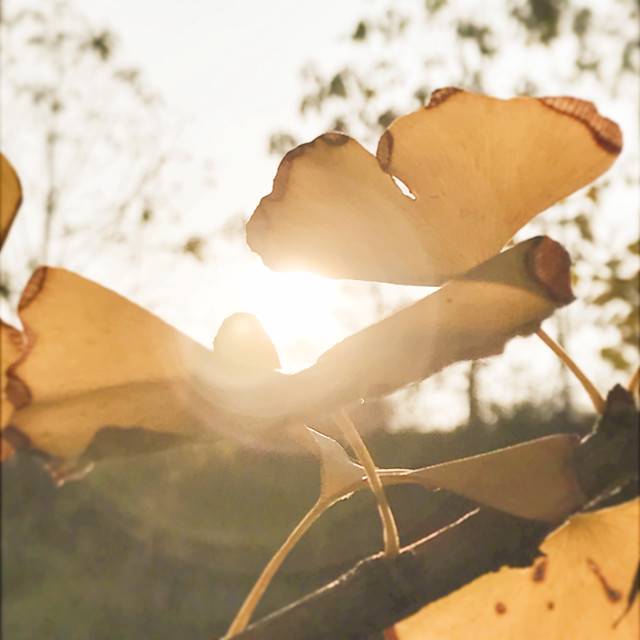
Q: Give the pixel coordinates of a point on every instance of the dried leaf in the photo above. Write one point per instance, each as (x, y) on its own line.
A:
(11, 345)
(101, 376)
(531, 480)
(469, 318)
(10, 197)
(578, 590)
(477, 168)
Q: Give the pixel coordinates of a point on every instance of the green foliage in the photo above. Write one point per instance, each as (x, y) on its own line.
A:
(541, 17)
(471, 31)
(361, 31)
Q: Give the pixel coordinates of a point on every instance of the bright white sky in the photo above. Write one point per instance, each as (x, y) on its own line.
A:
(233, 65)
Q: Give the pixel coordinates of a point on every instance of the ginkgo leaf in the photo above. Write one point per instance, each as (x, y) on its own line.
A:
(99, 370)
(577, 590)
(477, 169)
(532, 480)
(11, 345)
(10, 197)
(470, 317)
(340, 473)
(101, 376)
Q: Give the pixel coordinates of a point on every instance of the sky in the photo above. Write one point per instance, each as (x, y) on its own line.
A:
(233, 65)
(231, 72)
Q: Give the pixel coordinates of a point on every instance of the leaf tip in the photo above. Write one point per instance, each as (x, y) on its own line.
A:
(551, 266)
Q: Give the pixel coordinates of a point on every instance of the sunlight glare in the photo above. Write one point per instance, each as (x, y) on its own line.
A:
(295, 309)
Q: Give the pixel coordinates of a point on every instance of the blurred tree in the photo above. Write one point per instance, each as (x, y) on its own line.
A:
(402, 51)
(83, 128)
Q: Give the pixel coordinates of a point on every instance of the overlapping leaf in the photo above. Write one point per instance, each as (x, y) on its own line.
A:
(11, 340)
(97, 367)
(477, 169)
(532, 480)
(471, 317)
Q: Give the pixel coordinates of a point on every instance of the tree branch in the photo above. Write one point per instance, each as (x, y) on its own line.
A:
(379, 592)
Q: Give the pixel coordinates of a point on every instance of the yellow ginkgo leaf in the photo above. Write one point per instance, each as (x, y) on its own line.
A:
(10, 197)
(578, 589)
(11, 345)
(476, 169)
(534, 479)
(100, 375)
(470, 317)
(99, 370)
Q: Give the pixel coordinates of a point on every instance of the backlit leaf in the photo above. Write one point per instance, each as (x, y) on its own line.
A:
(10, 197)
(11, 344)
(477, 169)
(531, 480)
(469, 318)
(102, 375)
(577, 590)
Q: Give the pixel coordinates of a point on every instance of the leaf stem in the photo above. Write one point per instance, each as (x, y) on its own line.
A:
(389, 527)
(243, 616)
(589, 387)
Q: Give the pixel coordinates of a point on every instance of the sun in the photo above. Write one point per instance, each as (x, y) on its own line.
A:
(297, 310)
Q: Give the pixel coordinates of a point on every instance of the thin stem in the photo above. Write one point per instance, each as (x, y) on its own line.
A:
(240, 622)
(389, 527)
(248, 606)
(594, 394)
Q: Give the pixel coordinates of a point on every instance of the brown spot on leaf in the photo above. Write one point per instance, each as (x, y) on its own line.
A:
(390, 634)
(605, 132)
(385, 150)
(335, 138)
(16, 391)
(539, 571)
(501, 608)
(612, 594)
(16, 438)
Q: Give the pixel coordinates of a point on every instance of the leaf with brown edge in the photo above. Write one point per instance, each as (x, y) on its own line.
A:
(577, 590)
(100, 376)
(532, 480)
(11, 347)
(10, 197)
(469, 318)
(477, 169)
